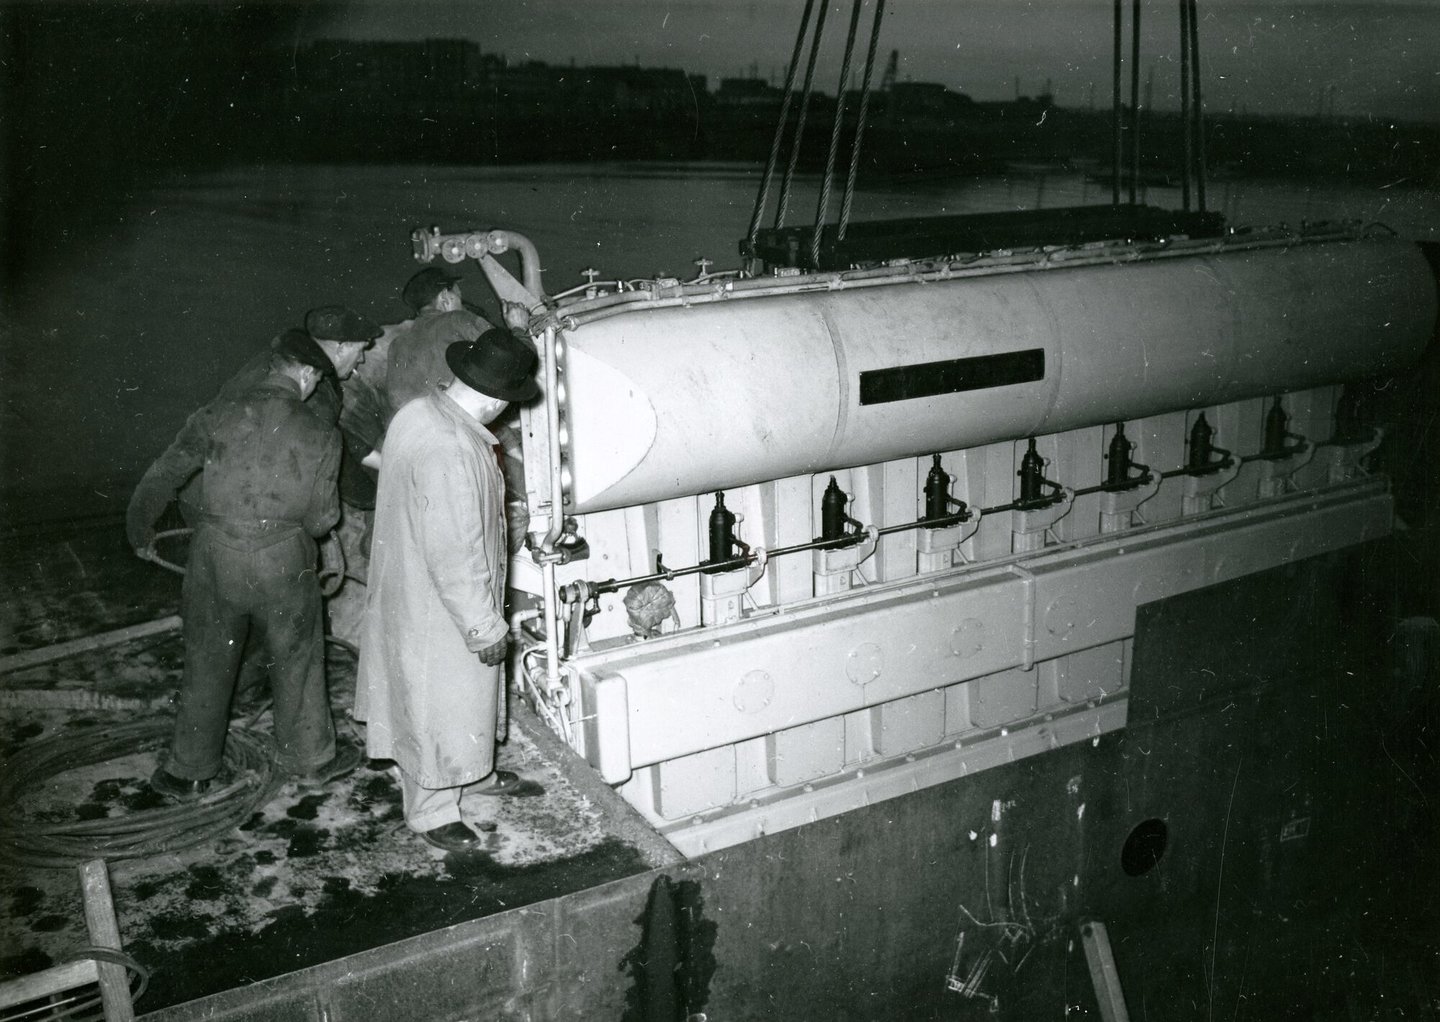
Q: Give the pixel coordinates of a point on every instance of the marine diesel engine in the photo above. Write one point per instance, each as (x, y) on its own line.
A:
(806, 541)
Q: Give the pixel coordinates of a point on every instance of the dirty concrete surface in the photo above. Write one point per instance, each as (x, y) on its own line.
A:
(313, 875)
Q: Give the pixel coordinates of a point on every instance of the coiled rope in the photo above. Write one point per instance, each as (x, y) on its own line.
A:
(248, 761)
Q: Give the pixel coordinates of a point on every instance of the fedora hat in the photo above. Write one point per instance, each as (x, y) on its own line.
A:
(497, 364)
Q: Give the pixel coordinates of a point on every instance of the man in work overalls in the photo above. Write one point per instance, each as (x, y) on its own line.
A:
(264, 468)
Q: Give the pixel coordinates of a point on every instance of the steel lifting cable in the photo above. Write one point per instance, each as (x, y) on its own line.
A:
(1185, 119)
(1134, 100)
(1198, 109)
(860, 123)
(1115, 110)
(764, 194)
(788, 180)
(823, 204)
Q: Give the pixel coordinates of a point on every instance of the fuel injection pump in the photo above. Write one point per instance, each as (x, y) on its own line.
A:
(947, 523)
(1124, 489)
(1119, 464)
(1284, 453)
(1202, 460)
(938, 502)
(1033, 483)
(1207, 470)
(834, 522)
(723, 542)
(843, 542)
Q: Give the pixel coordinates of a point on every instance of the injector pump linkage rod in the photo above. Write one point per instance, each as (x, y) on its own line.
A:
(1202, 451)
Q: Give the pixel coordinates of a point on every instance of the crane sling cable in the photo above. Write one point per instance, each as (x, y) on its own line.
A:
(849, 199)
(788, 180)
(1185, 120)
(823, 203)
(1115, 154)
(1199, 110)
(763, 195)
(1134, 100)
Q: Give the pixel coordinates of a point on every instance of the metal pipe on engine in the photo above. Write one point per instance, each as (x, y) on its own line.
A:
(499, 241)
(550, 350)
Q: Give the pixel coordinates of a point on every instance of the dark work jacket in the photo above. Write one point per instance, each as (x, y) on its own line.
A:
(357, 483)
(263, 458)
(417, 354)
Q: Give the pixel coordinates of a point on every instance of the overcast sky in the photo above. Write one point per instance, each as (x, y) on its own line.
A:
(1378, 58)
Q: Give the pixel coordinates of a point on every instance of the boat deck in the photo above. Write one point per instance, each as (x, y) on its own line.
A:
(1281, 728)
(311, 877)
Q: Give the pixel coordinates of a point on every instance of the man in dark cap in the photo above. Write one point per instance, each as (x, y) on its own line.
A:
(417, 353)
(265, 466)
(416, 366)
(434, 640)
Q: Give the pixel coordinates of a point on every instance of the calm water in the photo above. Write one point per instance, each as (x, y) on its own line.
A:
(141, 327)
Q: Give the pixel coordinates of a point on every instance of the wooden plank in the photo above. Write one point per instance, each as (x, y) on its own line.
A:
(1103, 973)
(44, 655)
(54, 980)
(105, 933)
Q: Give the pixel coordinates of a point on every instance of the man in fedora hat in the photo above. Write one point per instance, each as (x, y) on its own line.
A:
(266, 468)
(434, 640)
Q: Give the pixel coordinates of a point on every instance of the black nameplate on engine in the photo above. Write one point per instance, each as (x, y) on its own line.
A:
(926, 379)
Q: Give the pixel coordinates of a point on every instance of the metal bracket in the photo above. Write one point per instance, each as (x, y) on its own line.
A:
(944, 540)
(1117, 506)
(847, 559)
(1200, 490)
(1342, 461)
(1275, 472)
(1029, 526)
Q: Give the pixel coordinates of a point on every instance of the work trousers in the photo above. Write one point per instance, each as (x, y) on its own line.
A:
(234, 583)
(429, 808)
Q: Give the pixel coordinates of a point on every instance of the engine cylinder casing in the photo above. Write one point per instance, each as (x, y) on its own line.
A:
(670, 402)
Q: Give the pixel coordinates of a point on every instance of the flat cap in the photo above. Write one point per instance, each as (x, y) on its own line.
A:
(298, 346)
(340, 323)
(421, 289)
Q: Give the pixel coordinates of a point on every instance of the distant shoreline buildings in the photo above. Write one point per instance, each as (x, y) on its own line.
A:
(101, 99)
(448, 100)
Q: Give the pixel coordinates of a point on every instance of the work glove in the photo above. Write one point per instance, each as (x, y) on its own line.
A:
(517, 316)
(494, 654)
